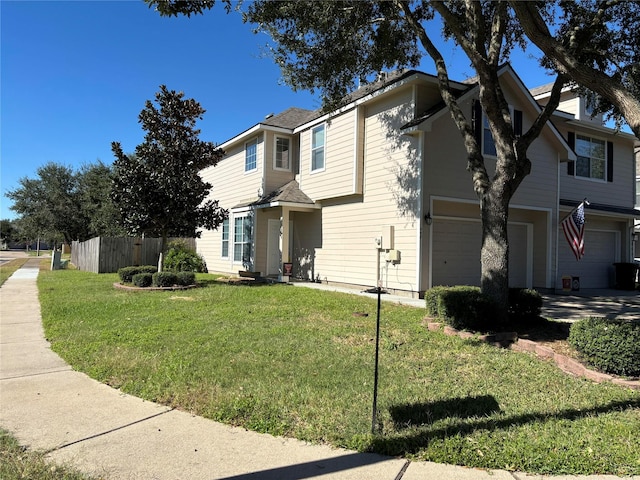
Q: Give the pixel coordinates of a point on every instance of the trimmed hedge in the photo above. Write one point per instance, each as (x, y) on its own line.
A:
(461, 307)
(142, 279)
(164, 279)
(186, 278)
(464, 306)
(126, 273)
(612, 346)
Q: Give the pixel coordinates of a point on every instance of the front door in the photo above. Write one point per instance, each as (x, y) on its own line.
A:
(274, 253)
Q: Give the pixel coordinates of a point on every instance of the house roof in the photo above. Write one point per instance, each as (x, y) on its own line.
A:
(289, 193)
(290, 118)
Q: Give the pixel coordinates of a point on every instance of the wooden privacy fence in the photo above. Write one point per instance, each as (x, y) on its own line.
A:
(108, 254)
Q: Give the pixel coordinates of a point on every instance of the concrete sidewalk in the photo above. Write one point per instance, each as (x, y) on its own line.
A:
(106, 433)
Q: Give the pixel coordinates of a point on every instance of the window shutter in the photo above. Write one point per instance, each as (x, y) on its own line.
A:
(517, 123)
(476, 120)
(609, 161)
(571, 139)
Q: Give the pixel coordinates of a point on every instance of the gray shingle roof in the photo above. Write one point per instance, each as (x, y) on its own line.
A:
(289, 192)
(290, 118)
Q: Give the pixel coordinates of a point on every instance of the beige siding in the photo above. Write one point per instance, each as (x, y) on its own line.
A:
(231, 186)
(340, 171)
(347, 251)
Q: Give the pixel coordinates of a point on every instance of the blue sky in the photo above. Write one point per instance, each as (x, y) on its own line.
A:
(75, 75)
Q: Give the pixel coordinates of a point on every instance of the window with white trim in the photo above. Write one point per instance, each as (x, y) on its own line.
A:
(317, 148)
(251, 155)
(242, 232)
(225, 238)
(282, 153)
(592, 159)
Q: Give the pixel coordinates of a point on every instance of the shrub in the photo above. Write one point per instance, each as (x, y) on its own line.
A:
(182, 258)
(461, 307)
(186, 278)
(142, 279)
(126, 273)
(524, 303)
(164, 279)
(612, 346)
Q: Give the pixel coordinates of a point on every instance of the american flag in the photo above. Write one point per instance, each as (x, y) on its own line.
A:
(573, 226)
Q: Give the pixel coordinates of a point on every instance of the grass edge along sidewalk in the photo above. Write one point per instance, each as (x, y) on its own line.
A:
(298, 362)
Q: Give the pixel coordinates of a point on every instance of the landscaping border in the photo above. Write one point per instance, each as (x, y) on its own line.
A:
(511, 341)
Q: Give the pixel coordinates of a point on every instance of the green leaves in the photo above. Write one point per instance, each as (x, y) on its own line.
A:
(158, 190)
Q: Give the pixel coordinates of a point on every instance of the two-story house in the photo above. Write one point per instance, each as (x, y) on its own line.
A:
(378, 192)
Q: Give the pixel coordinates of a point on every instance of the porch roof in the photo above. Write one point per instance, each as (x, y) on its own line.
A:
(288, 194)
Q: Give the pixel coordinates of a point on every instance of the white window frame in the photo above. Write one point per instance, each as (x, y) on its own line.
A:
(241, 245)
(275, 153)
(224, 239)
(247, 145)
(591, 158)
(316, 148)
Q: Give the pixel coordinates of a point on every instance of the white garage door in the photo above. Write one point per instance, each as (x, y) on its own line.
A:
(456, 253)
(595, 268)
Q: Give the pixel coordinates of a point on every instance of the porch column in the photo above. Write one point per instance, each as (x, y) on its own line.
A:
(284, 225)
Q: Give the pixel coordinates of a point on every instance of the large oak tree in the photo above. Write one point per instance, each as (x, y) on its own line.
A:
(328, 46)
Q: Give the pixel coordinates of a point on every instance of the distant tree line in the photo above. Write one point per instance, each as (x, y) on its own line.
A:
(63, 204)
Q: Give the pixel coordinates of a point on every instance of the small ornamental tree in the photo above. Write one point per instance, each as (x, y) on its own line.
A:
(158, 190)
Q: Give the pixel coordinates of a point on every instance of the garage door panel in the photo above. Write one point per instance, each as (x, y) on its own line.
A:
(595, 268)
(456, 253)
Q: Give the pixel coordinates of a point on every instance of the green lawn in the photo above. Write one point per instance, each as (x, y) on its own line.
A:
(297, 362)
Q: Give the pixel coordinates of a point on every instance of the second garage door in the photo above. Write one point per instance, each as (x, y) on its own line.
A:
(595, 268)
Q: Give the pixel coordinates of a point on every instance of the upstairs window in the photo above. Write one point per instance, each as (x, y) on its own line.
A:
(592, 160)
(251, 155)
(317, 148)
(282, 156)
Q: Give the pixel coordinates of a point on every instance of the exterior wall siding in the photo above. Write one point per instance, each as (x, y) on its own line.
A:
(349, 226)
(231, 186)
(620, 192)
(337, 177)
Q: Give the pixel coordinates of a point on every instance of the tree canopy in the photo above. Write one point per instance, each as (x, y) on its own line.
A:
(597, 44)
(158, 189)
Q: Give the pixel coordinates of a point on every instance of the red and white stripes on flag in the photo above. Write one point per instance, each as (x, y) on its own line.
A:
(573, 226)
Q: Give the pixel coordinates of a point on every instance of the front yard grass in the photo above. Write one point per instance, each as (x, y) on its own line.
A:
(297, 362)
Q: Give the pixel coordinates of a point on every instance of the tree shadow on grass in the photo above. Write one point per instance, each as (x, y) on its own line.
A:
(412, 442)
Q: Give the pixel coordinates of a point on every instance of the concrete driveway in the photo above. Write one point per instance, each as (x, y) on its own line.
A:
(592, 303)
